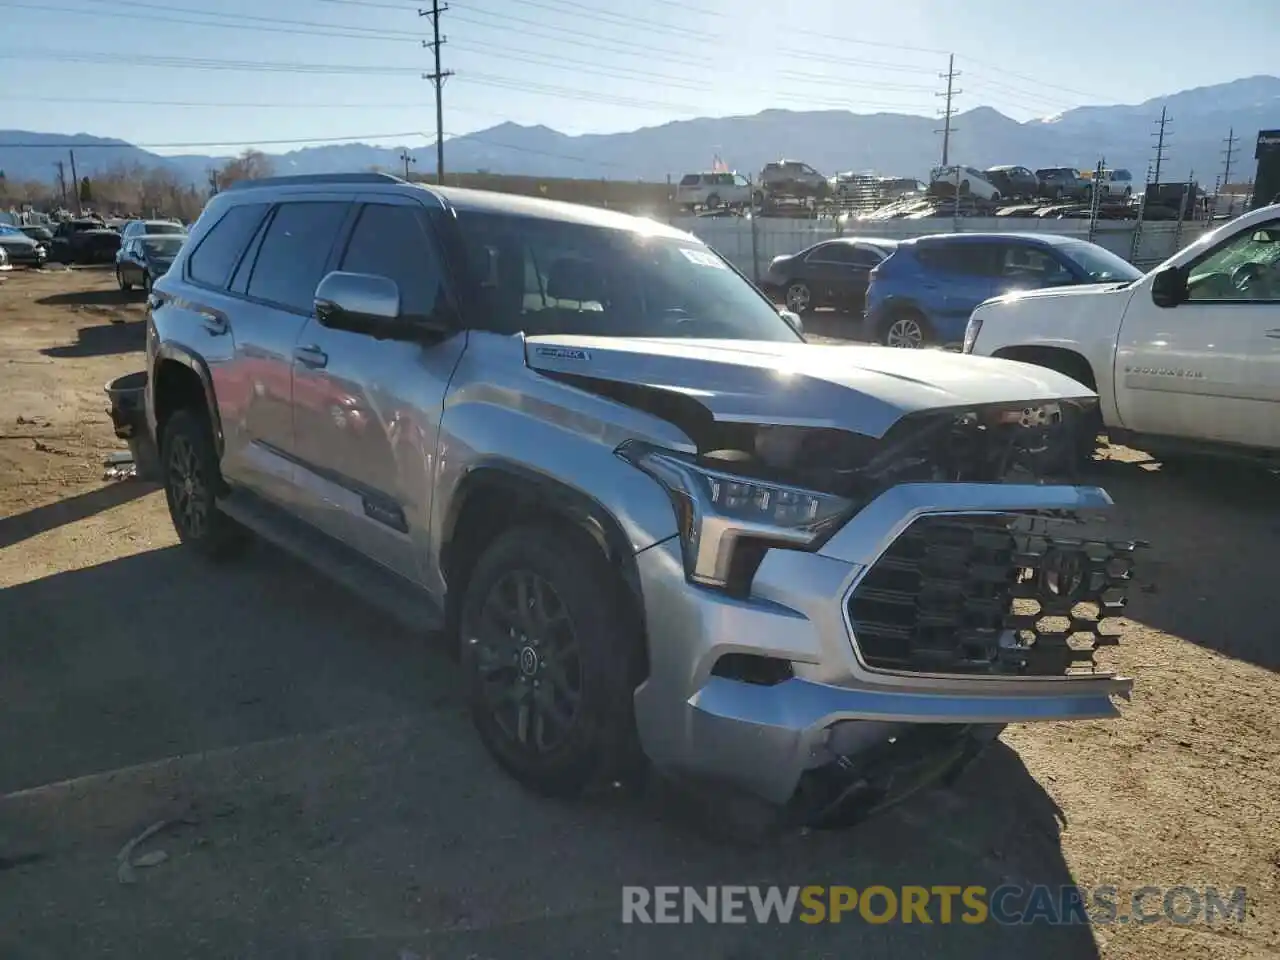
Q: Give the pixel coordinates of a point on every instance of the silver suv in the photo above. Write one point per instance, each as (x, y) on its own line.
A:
(663, 532)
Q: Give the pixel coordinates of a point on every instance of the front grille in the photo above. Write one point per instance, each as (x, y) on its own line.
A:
(1022, 594)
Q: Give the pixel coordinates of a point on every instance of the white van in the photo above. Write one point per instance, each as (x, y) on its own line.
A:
(713, 190)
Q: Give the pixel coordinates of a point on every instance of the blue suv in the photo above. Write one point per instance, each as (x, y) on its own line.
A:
(924, 291)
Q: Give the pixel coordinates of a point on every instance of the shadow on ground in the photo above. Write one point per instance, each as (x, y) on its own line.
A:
(328, 798)
(104, 339)
(1225, 517)
(92, 298)
(38, 520)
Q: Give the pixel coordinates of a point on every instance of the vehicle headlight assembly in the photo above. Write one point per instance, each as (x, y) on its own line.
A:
(717, 510)
(971, 331)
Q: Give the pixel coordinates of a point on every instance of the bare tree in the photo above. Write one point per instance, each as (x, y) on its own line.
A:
(250, 165)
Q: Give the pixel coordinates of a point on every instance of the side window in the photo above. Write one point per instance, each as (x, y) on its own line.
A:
(740, 181)
(1245, 267)
(970, 259)
(831, 253)
(212, 261)
(1029, 263)
(392, 241)
(867, 258)
(689, 180)
(294, 252)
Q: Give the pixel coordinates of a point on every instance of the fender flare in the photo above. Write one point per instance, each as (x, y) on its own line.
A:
(178, 353)
(529, 487)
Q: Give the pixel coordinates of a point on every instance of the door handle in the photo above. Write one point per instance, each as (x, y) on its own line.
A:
(215, 324)
(311, 356)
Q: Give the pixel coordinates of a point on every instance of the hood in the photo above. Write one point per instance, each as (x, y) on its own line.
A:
(1061, 293)
(17, 241)
(863, 390)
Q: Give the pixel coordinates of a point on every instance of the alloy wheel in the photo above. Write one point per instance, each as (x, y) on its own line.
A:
(188, 487)
(527, 660)
(904, 333)
(798, 298)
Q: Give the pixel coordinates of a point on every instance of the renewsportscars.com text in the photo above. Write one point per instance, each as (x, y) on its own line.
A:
(938, 904)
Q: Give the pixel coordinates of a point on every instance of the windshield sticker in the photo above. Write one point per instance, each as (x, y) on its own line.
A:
(561, 353)
(703, 258)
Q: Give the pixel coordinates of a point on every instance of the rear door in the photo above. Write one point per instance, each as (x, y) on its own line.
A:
(367, 411)
(840, 272)
(277, 281)
(961, 274)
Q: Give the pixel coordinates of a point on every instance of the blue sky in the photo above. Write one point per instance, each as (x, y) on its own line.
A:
(158, 71)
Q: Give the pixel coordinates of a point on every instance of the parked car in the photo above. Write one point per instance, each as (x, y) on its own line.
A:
(924, 292)
(144, 258)
(713, 190)
(1012, 181)
(21, 250)
(662, 530)
(1114, 184)
(791, 178)
(1062, 183)
(38, 232)
(832, 273)
(968, 181)
(134, 228)
(1185, 359)
(84, 241)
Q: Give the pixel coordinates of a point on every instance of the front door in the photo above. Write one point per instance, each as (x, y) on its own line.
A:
(367, 411)
(1209, 367)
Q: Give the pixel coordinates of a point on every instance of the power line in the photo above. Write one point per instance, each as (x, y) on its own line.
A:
(111, 145)
(949, 111)
(238, 105)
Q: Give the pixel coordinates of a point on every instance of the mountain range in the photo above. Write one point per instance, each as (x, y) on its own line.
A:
(830, 140)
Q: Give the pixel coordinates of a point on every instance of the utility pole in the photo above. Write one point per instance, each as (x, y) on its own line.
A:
(949, 112)
(1229, 154)
(62, 182)
(406, 159)
(1160, 142)
(75, 181)
(213, 182)
(438, 78)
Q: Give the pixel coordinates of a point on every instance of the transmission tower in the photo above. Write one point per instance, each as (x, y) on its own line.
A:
(949, 111)
(437, 77)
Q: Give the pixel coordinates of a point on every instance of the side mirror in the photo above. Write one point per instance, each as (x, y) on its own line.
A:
(1169, 287)
(794, 319)
(369, 304)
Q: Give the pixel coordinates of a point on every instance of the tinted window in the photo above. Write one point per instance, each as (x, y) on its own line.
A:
(212, 261)
(294, 252)
(689, 180)
(972, 259)
(1030, 263)
(546, 276)
(867, 258)
(832, 253)
(392, 241)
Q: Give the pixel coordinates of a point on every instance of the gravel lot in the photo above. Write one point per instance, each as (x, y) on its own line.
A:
(326, 797)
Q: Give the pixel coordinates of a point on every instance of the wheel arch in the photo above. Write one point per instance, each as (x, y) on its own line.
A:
(1064, 360)
(181, 378)
(495, 495)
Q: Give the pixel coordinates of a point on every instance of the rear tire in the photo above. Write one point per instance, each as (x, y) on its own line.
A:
(552, 656)
(121, 283)
(906, 328)
(192, 482)
(798, 297)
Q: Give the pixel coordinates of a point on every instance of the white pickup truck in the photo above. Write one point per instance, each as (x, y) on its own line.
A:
(1185, 359)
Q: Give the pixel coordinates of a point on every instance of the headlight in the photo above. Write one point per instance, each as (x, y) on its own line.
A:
(971, 334)
(716, 509)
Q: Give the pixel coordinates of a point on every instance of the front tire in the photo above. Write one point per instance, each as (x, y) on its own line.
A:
(192, 483)
(798, 298)
(553, 657)
(121, 282)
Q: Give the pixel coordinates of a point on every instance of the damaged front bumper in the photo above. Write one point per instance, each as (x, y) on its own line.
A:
(829, 726)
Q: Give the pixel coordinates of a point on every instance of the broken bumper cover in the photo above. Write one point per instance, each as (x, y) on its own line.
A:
(831, 709)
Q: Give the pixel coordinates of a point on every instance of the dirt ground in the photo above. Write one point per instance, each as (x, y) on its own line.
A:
(322, 793)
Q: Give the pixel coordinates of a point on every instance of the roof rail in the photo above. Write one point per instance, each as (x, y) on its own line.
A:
(320, 178)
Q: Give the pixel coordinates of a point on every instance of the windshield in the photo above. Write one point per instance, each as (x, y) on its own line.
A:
(162, 228)
(550, 277)
(1101, 265)
(162, 248)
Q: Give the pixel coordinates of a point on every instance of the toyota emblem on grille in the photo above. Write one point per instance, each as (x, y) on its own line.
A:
(1064, 573)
